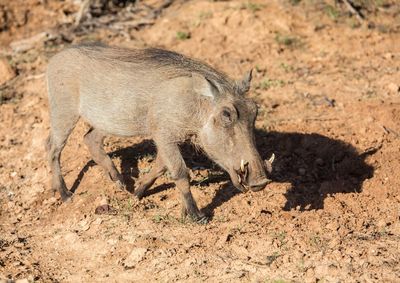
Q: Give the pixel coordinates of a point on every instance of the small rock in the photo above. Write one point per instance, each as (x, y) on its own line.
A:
(101, 201)
(14, 220)
(343, 231)
(6, 71)
(302, 171)
(388, 56)
(224, 239)
(392, 87)
(130, 238)
(50, 201)
(310, 276)
(84, 225)
(98, 221)
(71, 237)
(112, 242)
(333, 226)
(22, 281)
(381, 223)
(19, 245)
(105, 209)
(321, 270)
(17, 263)
(136, 256)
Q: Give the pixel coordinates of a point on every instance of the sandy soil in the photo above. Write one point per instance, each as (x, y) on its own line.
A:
(328, 88)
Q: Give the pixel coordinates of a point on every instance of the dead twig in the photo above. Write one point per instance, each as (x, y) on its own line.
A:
(26, 44)
(35, 77)
(391, 131)
(384, 129)
(159, 10)
(320, 119)
(82, 11)
(354, 11)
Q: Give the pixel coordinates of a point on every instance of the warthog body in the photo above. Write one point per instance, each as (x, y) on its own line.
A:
(159, 94)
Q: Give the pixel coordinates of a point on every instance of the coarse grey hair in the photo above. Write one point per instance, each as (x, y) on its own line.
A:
(170, 63)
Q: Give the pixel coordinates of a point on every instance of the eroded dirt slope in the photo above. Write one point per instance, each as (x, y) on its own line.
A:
(328, 88)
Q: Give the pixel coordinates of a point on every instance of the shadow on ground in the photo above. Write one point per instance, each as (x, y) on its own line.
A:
(315, 165)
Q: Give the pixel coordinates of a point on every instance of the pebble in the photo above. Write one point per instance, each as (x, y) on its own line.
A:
(333, 226)
(392, 87)
(309, 276)
(101, 201)
(321, 270)
(112, 242)
(381, 223)
(136, 256)
(389, 56)
(84, 225)
(97, 221)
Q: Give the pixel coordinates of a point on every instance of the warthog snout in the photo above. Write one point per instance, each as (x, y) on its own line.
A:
(252, 176)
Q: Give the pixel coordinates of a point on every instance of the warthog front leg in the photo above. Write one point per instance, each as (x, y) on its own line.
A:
(148, 180)
(94, 141)
(175, 164)
(189, 206)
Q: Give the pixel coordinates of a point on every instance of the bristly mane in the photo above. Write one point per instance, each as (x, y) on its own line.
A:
(172, 63)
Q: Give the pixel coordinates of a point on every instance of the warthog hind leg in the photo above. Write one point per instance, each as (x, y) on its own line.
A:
(94, 141)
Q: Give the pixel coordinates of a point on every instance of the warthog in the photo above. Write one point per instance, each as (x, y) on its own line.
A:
(158, 94)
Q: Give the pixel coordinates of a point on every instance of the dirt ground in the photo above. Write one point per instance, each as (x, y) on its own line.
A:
(328, 86)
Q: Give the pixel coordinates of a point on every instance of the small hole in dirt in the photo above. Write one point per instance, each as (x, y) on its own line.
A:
(266, 212)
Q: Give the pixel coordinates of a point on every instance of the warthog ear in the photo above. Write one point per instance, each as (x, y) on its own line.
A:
(202, 86)
(243, 86)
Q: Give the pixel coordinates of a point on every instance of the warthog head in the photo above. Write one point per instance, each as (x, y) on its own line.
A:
(227, 135)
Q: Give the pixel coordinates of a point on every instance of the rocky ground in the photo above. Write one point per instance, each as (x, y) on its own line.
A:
(327, 78)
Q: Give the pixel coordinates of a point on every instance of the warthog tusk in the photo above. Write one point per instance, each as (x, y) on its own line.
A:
(240, 179)
(272, 158)
(243, 165)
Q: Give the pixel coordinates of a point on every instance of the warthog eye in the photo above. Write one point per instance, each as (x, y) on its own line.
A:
(227, 116)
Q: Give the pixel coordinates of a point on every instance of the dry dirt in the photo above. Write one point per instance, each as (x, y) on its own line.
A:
(328, 88)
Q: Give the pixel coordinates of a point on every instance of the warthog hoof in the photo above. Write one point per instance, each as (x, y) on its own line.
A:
(120, 185)
(197, 217)
(66, 195)
(203, 220)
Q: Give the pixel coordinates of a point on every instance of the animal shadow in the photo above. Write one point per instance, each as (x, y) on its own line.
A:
(315, 165)
(129, 157)
(129, 163)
